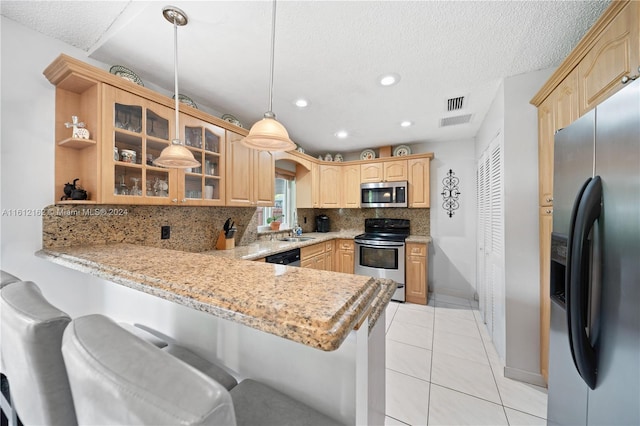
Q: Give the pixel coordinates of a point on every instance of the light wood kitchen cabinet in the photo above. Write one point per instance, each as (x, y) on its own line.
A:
(615, 54)
(250, 174)
(337, 185)
(345, 255)
(559, 110)
(565, 99)
(307, 186)
(546, 132)
(416, 273)
(546, 224)
(350, 185)
(132, 124)
(371, 172)
(328, 255)
(384, 171)
(418, 174)
(317, 256)
(203, 186)
(125, 118)
(79, 96)
(330, 185)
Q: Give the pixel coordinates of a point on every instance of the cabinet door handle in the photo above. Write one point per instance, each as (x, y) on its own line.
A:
(627, 78)
(175, 200)
(548, 211)
(184, 200)
(549, 199)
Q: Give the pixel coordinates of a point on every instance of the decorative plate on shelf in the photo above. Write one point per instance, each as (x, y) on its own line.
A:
(186, 100)
(367, 154)
(126, 73)
(231, 119)
(401, 150)
(338, 158)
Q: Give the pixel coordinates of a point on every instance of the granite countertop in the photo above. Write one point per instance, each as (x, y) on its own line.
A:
(315, 308)
(419, 239)
(261, 249)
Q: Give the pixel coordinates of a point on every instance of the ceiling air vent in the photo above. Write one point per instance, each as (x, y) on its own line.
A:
(454, 104)
(455, 120)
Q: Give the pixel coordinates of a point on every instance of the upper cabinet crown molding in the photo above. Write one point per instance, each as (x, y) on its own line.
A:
(76, 76)
(580, 51)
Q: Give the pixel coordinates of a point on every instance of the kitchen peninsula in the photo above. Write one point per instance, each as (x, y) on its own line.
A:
(337, 318)
(315, 308)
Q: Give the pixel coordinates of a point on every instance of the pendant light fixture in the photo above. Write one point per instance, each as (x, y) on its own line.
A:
(268, 134)
(176, 155)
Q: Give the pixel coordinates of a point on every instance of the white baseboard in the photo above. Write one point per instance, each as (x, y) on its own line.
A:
(453, 292)
(524, 376)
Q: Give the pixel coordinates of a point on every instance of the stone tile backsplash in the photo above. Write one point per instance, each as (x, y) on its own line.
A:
(344, 219)
(193, 229)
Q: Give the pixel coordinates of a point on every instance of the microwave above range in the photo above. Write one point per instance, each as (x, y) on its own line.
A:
(384, 194)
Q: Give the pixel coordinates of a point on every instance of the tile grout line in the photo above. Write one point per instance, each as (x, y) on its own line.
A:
(493, 374)
(485, 343)
(433, 337)
(465, 393)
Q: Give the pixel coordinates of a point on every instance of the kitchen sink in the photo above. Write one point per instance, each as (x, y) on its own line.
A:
(296, 239)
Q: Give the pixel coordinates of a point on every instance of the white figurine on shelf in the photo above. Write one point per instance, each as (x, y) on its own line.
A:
(79, 132)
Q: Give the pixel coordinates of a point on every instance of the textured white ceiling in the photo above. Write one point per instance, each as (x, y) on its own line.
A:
(329, 52)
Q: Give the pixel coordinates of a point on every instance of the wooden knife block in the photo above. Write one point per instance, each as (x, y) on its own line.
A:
(225, 243)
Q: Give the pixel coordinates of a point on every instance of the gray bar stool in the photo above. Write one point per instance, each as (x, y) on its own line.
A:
(6, 278)
(31, 338)
(118, 379)
(31, 352)
(5, 396)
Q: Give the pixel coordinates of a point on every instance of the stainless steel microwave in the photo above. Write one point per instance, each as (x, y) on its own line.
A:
(384, 194)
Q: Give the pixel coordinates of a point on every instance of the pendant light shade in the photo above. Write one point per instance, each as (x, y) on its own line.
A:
(176, 155)
(268, 134)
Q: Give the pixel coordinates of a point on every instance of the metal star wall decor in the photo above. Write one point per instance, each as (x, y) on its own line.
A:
(450, 193)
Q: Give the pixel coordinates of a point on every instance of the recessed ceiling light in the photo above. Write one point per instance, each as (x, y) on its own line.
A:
(406, 123)
(342, 134)
(388, 79)
(302, 103)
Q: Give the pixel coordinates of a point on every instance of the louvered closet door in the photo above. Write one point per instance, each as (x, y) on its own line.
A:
(488, 283)
(481, 194)
(496, 256)
(490, 248)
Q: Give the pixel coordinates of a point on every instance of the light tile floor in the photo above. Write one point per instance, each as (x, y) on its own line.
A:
(442, 369)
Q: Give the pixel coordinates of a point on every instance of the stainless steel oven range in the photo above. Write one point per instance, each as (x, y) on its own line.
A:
(380, 251)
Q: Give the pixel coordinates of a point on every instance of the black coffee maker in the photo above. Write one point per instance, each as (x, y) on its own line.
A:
(322, 223)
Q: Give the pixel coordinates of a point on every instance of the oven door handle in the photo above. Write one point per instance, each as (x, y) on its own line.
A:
(369, 243)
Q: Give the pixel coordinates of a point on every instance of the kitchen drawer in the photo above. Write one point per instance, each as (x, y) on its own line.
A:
(310, 251)
(414, 249)
(345, 245)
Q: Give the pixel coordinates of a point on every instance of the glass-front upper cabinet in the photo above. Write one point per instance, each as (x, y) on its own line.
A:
(203, 185)
(135, 132)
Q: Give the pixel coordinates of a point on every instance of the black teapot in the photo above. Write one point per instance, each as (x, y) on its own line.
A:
(73, 192)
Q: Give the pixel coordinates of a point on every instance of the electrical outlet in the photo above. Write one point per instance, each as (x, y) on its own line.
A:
(165, 232)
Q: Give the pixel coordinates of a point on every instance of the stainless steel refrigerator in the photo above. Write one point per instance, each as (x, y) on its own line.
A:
(594, 347)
